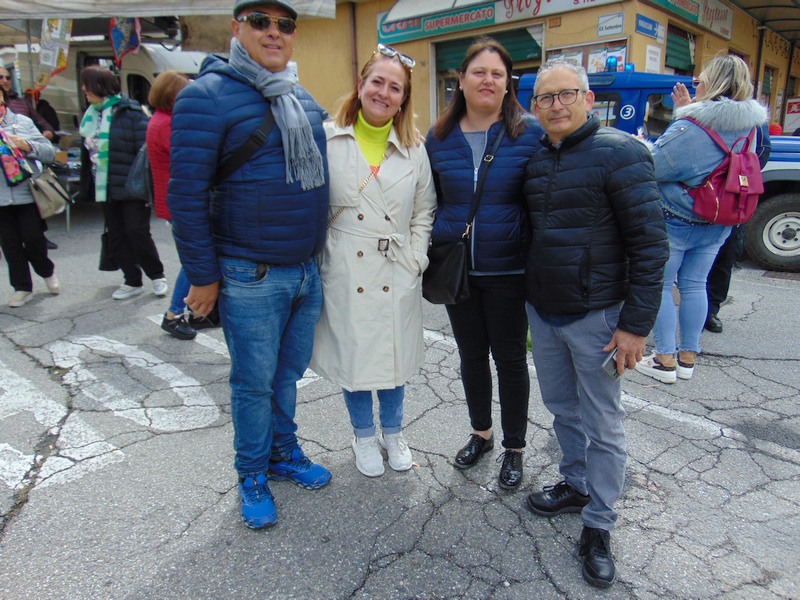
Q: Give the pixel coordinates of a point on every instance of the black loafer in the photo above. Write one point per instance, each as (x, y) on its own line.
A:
(557, 499)
(713, 324)
(598, 565)
(178, 328)
(511, 471)
(469, 454)
(206, 322)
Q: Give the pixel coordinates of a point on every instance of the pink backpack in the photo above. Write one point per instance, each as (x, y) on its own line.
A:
(729, 195)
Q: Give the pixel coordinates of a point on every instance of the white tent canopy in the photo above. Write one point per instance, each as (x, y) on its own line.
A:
(16, 10)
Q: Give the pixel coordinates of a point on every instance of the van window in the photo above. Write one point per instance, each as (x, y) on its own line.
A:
(138, 89)
(658, 115)
(606, 107)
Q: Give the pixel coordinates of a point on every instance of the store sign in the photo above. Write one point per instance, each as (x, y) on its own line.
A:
(611, 25)
(646, 26)
(475, 17)
(710, 14)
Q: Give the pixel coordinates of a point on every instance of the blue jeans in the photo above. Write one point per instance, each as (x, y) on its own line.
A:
(586, 407)
(692, 251)
(268, 319)
(359, 405)
(179, 292)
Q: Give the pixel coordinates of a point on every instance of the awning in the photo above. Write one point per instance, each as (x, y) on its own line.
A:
(409, 9)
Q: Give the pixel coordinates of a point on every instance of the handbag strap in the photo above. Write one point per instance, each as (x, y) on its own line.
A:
(476, 198)
(243, 153)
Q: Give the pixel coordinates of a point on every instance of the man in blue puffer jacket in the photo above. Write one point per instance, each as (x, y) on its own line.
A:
(249, 241)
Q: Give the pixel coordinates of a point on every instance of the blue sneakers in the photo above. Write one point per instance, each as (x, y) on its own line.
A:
(300, 470)
(258, 506)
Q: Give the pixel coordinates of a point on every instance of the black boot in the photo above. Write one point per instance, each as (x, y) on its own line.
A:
(511, 471)
(598, 566)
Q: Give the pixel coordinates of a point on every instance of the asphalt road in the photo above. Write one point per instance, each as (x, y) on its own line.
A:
(116, 477)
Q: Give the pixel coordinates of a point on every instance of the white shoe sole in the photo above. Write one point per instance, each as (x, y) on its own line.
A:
(126, 295)
(405, 466)
(23, 302)
(662, 376)
(684, 372)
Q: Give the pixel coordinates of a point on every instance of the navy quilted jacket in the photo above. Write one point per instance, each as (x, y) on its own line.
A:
(254, 214)
(501, 232)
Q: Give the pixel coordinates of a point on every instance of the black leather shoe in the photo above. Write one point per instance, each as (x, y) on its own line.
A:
(557, 499)
(713, 324)
(598, 566)
(470, 453)
(511, 471)
(206, 322)
(178, 328)
(51, 245)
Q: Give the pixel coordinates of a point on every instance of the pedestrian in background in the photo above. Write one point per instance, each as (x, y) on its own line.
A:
(483, 107)
(21, 234)
(113, 129)
(369, 337)
(684, 157)
(162, 98)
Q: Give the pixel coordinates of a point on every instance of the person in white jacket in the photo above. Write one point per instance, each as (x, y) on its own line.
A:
(382, 202)
(21, 232)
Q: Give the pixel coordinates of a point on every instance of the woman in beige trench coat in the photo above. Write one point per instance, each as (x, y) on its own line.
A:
(369, 337)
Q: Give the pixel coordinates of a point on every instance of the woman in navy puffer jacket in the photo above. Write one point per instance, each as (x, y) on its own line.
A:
(493, 319)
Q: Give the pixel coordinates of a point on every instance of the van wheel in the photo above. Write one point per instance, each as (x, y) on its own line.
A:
(772, 237)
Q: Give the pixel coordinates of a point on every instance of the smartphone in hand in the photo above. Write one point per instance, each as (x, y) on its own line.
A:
(610, 365)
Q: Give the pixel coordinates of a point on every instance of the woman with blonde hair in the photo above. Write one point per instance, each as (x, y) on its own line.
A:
(684, 156)
(369, 337)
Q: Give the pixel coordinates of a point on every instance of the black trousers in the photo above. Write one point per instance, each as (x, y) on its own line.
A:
(23, 243)
(129, 240)
(494, 319)
(719, 278)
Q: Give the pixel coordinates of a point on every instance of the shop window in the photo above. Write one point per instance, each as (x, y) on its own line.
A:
(767, 84)
(594, 57)
(680, 50)
(606, 107)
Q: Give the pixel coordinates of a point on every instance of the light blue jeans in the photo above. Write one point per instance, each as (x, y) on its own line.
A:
(586, 406)
(269, 320)
(359, 405)
(179, 292)
(692, 251)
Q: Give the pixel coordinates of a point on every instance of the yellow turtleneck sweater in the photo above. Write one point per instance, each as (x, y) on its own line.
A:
(373, 141)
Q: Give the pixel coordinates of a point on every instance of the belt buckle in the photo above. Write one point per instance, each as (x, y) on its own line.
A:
(383, 245)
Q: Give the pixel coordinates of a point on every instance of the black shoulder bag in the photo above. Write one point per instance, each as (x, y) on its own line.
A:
(446, 280)
(243, 153)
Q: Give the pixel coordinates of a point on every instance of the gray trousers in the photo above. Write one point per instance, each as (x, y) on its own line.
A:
(586, 407)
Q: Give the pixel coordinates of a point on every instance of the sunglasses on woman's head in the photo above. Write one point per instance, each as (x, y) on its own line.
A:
(261, 22)
(404, 59)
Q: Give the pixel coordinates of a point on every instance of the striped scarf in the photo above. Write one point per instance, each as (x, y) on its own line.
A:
(96, 124)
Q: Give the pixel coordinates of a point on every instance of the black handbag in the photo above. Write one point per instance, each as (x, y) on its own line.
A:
(107, 262)
(139, 184)
(446, 280)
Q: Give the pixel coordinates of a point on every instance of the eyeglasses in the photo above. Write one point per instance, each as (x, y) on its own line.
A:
(566, 97)
(8, 77)
(404, 59)
(696, 81)
(261, 22)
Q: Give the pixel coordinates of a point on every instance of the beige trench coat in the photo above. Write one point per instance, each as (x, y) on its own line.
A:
(369, 336)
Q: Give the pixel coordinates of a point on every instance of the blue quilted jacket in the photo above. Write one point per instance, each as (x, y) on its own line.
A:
(501, 231)
(254, 214)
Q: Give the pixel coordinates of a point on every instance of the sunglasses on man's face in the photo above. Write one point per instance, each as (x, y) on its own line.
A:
(404, 59)
(8, 77)
(261, 22)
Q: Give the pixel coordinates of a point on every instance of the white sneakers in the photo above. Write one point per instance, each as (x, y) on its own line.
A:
(652, 367)
(20, 298)
(53, 284)
(369, 459)
(126, 291)
(160, 286)
(368, 456)
(398, 451)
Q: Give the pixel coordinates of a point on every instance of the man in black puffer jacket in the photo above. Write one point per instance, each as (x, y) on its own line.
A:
(594, 275)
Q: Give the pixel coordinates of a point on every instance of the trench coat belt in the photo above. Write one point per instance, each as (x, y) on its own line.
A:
(388, 245)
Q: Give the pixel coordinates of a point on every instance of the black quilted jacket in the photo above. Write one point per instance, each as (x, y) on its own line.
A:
(598, 230)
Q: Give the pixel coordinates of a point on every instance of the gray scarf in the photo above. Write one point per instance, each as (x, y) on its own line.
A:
(303, 159)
